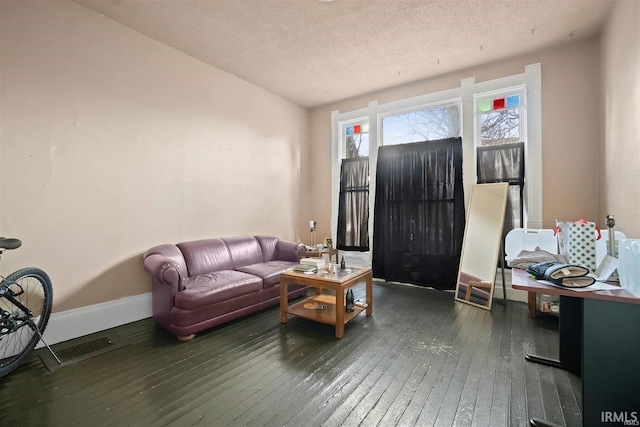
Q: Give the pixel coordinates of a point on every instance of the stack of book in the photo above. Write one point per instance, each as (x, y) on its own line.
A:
(316, 262)
(305, 268)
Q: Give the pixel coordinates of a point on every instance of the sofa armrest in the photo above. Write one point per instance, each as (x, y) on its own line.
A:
(163, 271)
(166, 265)
(290, 251)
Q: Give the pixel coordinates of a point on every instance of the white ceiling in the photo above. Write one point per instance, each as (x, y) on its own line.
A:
(316, 51)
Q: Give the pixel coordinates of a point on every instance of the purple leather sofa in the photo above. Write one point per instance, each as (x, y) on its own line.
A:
(201, 284)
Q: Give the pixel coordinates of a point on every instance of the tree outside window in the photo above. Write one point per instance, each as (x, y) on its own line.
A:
(500, 127)
(423, 125)
(357, 145)
(499, 119)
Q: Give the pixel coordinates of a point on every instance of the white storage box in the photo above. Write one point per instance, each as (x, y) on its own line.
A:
(629, 265)
(520, 239)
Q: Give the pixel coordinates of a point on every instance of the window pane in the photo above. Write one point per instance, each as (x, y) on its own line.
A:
(505, 163)
(353, 205)
(500, 126)
(357, 145)
(424, 125)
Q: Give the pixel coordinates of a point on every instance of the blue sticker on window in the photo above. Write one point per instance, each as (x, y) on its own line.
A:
(513, 101)
(349, 130)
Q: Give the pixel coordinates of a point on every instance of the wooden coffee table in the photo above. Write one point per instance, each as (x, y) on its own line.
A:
(334, 312)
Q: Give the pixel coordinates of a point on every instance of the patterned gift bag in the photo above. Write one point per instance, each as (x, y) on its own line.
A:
(577, 242)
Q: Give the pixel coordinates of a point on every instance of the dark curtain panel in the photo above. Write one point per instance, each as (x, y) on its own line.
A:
(353, 205)
(505, 163)
(419, 213)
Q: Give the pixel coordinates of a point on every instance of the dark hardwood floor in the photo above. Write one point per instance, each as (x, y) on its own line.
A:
(421, 359)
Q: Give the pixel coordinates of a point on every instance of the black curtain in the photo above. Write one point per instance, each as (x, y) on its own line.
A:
(419, 214)
(505, 163)
(353, 205)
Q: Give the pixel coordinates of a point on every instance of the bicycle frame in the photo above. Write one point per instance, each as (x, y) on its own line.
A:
(10, 322)
(6, 292)
(15, 313)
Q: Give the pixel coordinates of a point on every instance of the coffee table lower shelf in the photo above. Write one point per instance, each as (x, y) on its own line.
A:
(328, 315)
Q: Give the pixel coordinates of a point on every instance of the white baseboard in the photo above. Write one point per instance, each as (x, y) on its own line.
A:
(82, 321)
(356, 259)
(512, 294)
(363, 259)
(79, 322)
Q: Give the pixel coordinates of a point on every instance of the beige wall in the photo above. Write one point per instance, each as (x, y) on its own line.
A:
(569, 135)
(113, 143)
(620, 93)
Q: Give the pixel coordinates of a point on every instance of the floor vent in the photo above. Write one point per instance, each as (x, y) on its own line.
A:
(80, 349)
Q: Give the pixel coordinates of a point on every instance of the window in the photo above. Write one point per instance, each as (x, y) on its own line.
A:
(500, 148)
(353, 205)
(423, 125)
(500, 122)
(353, 200)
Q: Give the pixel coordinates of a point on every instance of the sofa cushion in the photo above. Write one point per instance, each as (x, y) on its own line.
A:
(205, 256)
(269, 271)
(214, 287)
(244, 250)
(269, 247)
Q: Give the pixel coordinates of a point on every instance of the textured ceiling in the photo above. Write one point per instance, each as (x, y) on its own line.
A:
(314, 52)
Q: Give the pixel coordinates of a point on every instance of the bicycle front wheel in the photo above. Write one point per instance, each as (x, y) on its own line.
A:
(32, 288)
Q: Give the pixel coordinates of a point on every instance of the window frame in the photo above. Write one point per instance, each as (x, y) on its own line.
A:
(531, 83)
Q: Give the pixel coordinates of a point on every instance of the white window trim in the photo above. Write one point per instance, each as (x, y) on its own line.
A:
(531, 80)
(521, 91)
(533, 150)
(338, 122)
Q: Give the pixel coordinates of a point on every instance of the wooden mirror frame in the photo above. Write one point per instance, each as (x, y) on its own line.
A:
(481, 243)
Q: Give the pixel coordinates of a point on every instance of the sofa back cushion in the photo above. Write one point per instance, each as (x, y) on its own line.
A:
(244, 250)
(205, 256)
(269, 245)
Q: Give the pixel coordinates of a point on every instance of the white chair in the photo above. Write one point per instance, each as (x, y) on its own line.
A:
(522, 239)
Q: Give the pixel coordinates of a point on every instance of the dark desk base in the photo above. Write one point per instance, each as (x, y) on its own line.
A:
(548, 361)
(570, 337)
(537, 422)
(611, 358)
(601, 339)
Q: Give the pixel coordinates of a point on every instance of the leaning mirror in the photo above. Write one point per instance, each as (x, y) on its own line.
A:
(481, 244)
